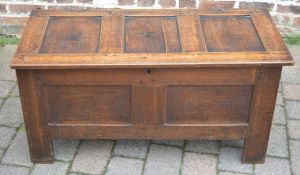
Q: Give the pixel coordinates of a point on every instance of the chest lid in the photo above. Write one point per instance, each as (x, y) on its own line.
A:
(149, 38)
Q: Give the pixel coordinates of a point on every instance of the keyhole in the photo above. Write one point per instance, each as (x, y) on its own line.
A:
(148, 71)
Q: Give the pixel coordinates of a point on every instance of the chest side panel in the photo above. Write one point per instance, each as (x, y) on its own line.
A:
(230, 33)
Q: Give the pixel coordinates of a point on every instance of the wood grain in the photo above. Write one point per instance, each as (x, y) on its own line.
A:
(33, 35)
(72, 35)
(227, 34)
(112, 34)
(261, 114)
(194, 104)
(191, 34)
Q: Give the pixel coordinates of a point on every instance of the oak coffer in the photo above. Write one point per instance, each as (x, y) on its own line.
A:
(149, 74)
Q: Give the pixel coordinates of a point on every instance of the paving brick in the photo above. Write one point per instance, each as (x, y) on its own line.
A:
(295, 156)
(23, 8)
(202, 146)
(92, 156)
(234, 143)
(167, 3)
(13, 170)
(6, 53)
(18, 152)
(273, 166)
(257, 5)
(65, 150)
(85, 1)
(279, 99)
(5, 88)
(295, 51)
(291, 91)
(6, 135)
(216, 5)
(278, 142)
(3, 8)
(187, 4)
(11, 113)
(170, 142)
(290, 75)
(6, 73)
(279, 115)
(293, 109)
(145, 3)
(15, 92)
(163, 160)
(125, 2)
(1, 153)
(131, 148)
(293, 129)
(57, 168)
(230, 160)
(195, 163)
(124, 166)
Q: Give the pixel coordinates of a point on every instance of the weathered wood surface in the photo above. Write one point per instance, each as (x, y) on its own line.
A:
(156, 38)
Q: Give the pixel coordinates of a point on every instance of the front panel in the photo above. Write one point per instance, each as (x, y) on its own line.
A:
(144, 100)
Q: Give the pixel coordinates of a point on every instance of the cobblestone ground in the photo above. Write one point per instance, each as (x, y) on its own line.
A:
(151, 157)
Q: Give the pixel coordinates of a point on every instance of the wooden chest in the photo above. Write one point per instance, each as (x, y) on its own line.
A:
(149, 74)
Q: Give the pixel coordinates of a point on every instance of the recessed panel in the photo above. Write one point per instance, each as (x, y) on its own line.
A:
(88, 104)
(151, 35)
(208, 104)
(72, 35)
(230, 34)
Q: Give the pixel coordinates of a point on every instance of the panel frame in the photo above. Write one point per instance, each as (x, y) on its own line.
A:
(31, 60)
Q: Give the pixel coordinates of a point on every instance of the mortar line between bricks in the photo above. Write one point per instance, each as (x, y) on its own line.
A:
(10, 92)
(294, 119)
(287, 132)
(182, 157)
(294, 139)
(147, 153)
(289, 83)
(293, 100)
(110, 157)
(218, 160)
(14, 165)
(163, 144)
(12, 81)
(127, 157)
(226, 171)
(72, 161)
(5, 150)
(10, 142)
(279, 124)
(212, 154)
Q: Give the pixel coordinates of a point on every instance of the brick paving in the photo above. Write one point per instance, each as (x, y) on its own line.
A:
(151, 157)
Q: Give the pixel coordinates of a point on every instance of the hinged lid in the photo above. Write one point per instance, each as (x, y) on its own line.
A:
(149, 38)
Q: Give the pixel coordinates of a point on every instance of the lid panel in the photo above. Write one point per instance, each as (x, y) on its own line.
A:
(151, 35)
(72, 35)
(230, 34)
